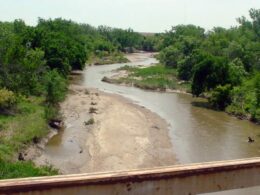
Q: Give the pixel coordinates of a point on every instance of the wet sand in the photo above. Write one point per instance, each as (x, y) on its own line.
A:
(124, 136)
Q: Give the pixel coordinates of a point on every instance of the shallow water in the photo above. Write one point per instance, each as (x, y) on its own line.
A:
(198, 134)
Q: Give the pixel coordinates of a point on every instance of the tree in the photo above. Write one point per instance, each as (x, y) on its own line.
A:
(170, 56)
(220, 97)
(236, 72)
(185, 67)
(55, 87)
(209, 73)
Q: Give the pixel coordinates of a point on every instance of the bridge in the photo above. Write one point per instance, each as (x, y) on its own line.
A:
(177, 180)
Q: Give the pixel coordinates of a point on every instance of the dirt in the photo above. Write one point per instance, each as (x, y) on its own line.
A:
(124, 136)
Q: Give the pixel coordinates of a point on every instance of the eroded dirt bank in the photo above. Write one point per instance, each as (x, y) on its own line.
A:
(124, 136)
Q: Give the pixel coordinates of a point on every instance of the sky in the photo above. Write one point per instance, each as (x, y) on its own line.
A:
(140, 15)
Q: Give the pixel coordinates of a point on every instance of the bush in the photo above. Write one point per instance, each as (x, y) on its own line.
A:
(209, 73)
(220, 97)
(246, 99)
(255, 115)
(10, 170)
(56, 87)
(170, 56)
(51, 112)
(7, 99)
(185, 68)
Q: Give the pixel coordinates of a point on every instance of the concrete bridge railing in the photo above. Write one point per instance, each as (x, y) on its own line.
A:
(181, 179)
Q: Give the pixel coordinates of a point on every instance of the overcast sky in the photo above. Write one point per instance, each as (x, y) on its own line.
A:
(141, 15)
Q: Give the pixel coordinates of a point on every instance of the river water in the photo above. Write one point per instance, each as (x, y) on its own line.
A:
(198, 134)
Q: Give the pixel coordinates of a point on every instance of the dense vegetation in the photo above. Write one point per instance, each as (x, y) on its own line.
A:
(222, 64)
(34, 65)
(157, 77)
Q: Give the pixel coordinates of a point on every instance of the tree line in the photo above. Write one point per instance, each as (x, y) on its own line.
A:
(221, 64)
(37, 60)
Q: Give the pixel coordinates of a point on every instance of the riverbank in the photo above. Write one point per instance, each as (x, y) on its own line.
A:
(153, 77)
(162, 79)
(22, 133)
(105, 58)
(121, 136)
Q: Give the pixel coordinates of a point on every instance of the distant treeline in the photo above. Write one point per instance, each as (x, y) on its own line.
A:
(222, 64)
(36, 60)
(34, 66)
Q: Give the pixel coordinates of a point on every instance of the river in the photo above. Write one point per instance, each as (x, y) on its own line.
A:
(197, 134)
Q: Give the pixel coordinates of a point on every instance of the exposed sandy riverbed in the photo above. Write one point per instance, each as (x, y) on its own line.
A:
(124, 136)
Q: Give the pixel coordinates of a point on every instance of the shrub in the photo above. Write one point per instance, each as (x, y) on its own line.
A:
(220, 97)
(7, 99)
(255, 115)
(56, 87)
(246, 99)
(51, 112)
(24, 169)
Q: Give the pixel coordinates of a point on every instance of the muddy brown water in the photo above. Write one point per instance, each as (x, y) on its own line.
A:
(198, 134)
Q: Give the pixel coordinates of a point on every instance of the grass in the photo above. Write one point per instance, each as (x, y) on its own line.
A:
(156, 77)
(17, 132)
(112, 58)
(24, 169)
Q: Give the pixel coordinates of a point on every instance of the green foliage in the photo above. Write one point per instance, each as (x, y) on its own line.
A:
(7, 99)
(102, 58)
(151, 43)
(246, 99)
(62, 51)
(209, 73)
(170, 56)
(153, 71)
(19, 130)
(221, 62)
(220, 97)
(125, 40)
(156, 77)
(236, 72)
(10, 170)
(56, 87)
(185, 66)
(34, 64)
(51, 112)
